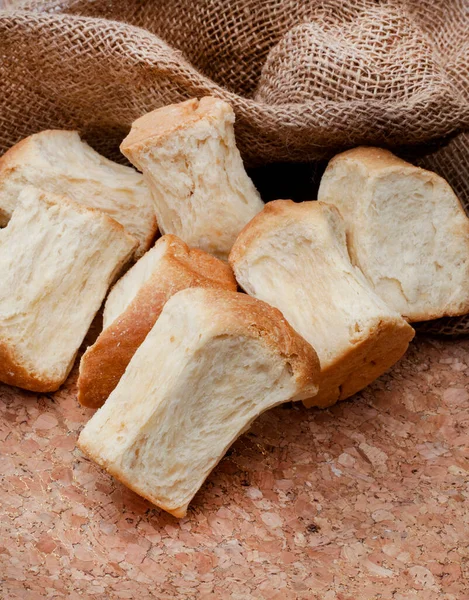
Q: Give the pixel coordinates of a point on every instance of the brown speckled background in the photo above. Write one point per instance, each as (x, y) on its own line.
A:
(366, 500)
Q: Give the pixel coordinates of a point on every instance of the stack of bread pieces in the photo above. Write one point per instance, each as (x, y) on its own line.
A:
(185, 362)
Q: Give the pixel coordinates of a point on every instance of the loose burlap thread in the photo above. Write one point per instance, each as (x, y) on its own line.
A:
(306, 78)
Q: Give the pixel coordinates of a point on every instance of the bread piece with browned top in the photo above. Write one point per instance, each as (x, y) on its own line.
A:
(135, 303)
(294, 256)
(194, 170)
(406, 230)
(212, 363)
(60, 162)
(57, 261)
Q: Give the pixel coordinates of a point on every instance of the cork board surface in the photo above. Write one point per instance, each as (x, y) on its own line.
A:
(366, 500)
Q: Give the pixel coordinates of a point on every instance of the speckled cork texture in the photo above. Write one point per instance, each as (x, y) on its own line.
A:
(365, 500)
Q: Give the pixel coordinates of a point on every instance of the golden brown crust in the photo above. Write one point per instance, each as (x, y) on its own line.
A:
(10, 158)
(133, 485)
(201, 264)
(12, 373)
(370, 352)
(259, 320)
(235, 314)
(167, 120)
(372, 157)
(104, 363)
(363, 362)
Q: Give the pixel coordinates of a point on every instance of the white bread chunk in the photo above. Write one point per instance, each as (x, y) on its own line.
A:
(194, 170)
(212, 363)
(406, 230)
(294, 256)
(135, 303)
(59, 162)
(57, 261)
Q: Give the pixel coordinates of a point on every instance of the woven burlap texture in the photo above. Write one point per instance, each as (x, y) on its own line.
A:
(307, 78)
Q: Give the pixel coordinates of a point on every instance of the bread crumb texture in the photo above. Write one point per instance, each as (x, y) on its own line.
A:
(200, 189)
(406, 230)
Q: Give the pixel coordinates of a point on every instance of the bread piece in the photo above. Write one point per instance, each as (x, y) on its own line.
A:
(189, 157)
(406, 230)
(57, 260)
(294, 256)
(135, 303)
(59, 162)
(212, 363)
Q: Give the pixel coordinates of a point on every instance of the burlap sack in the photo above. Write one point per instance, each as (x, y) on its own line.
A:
(307, 78)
